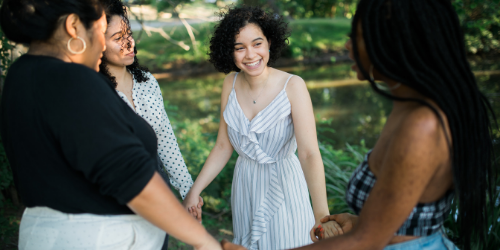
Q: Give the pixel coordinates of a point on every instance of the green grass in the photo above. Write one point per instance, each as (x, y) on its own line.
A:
(309, 38)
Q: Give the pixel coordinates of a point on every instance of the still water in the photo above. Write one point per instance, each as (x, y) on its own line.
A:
(346, 110)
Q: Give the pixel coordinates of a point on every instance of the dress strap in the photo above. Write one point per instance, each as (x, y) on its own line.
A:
(287, 80)
(234, 81)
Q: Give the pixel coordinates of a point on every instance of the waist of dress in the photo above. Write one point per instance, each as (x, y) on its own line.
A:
(291, 157)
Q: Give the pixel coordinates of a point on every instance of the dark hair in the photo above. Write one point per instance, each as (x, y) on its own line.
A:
(419, 43)
(24, 21)
(117, 8)
(222, 42)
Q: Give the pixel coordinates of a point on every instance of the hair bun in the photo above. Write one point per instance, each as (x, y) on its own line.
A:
(24, 21)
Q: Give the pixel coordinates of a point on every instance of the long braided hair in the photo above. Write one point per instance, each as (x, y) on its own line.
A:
(112, 8)
(419, 43)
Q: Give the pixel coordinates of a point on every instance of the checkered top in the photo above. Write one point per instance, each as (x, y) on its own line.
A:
(424, 220)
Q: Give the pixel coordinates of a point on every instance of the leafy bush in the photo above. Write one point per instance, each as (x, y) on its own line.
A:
(481, 24)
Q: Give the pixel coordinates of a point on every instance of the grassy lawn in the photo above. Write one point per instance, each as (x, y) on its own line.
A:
(309, 38)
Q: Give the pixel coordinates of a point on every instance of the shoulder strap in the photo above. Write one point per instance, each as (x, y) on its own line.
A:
(234, 81)
(287, 81)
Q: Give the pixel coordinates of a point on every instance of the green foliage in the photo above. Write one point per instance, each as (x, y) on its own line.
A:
(316, 36)
(9, 225)
(6, 178)
(309, 8)
(5, 53)
(309, 38)
(493, 226)
(162, 5)
(339, 166)
(480, 21)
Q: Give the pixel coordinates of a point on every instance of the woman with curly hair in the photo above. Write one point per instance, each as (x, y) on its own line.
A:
(140, 90)
(266, 114)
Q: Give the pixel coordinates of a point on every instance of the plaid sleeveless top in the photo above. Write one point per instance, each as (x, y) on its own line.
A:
(424, 220)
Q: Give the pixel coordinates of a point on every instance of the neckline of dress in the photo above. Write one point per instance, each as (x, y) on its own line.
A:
(233, 91)
(132, 105)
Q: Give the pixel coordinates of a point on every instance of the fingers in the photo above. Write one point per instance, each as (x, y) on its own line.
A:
(313, 235)
(226, 245)
(200, 202)
(338, 227)
(328, 218)
(198, 214)
(331, 229)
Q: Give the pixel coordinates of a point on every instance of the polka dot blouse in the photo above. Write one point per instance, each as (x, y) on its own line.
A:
(149, 105)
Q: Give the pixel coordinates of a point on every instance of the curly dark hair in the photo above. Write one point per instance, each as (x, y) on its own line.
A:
(112, 8)
(232, 20)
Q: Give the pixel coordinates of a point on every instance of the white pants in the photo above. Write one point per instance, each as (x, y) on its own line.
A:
(45, 228)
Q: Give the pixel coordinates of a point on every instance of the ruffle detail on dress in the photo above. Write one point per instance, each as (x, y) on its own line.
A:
(268, 207)
(279, 108)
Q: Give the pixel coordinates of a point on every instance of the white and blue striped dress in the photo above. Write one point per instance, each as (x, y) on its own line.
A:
(269, 199)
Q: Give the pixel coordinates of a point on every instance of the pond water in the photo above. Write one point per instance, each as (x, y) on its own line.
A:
(346, 110)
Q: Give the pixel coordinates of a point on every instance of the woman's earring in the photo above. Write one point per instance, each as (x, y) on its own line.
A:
(77, 52)
(371, 73)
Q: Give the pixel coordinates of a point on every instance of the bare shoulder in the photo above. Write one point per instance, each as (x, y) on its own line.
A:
(421, 129)
(296, 82)
(421, 120)
(228, 84)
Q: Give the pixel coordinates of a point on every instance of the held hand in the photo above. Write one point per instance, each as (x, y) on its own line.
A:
(196, 211)
(226, 245)
(193, 204)
(345, 220)
(326, 230)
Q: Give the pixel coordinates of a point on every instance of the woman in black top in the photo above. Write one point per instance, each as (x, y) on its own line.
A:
(83, 161)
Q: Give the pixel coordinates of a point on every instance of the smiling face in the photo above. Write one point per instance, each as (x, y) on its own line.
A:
(251, 50)
(118, 37)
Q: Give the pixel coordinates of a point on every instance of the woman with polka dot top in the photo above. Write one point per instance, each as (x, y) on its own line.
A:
(140, 90)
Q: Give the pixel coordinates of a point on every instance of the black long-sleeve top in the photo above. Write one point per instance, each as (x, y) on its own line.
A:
(72, 143)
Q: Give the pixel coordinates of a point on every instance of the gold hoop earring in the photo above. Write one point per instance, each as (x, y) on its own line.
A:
(77, 52)
(371, 73)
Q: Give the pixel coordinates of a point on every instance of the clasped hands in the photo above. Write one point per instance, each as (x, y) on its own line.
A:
(193, 206)
(333, 225)
(329, 226)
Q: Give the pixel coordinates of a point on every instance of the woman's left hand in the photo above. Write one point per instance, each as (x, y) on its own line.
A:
(322, 231)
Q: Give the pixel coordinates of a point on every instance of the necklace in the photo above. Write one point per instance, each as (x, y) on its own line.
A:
(255, 99)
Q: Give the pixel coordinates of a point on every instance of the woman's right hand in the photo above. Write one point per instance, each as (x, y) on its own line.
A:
(226, 245)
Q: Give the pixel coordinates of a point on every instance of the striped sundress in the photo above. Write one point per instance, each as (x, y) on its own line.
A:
(269, 199)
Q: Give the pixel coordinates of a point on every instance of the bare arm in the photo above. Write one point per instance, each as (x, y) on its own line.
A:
(307, 144)
(413, 156)
(219, 155)
(157, 204)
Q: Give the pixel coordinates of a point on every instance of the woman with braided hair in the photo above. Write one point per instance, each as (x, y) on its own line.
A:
(436, 145)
